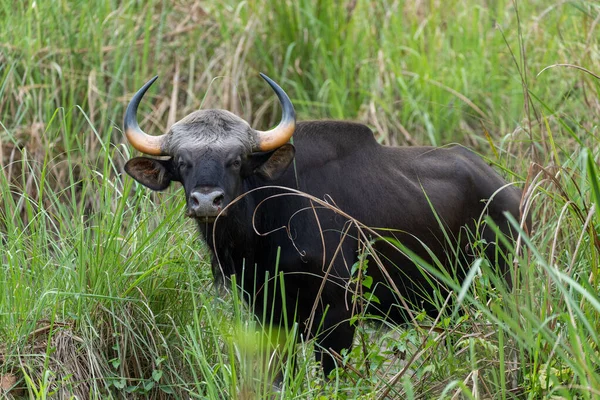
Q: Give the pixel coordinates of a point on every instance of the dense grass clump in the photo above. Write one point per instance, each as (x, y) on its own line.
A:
(105, 290)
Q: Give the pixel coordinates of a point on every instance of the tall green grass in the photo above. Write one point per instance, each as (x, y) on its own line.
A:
(105, 290)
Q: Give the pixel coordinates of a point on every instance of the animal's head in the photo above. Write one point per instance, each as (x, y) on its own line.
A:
(210, 152)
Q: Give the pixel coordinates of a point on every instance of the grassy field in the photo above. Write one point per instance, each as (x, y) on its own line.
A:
(105, 290)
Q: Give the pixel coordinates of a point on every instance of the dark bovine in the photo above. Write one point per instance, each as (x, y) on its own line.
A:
(429, 197)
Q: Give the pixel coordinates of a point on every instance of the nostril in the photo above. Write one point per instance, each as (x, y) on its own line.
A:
(194, 200)
(218, 200)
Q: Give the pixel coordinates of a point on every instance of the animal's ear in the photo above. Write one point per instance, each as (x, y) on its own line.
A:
(154, 174)
(273, 164)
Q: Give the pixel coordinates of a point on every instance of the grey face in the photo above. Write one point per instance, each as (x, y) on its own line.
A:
(211, 155)
(208, 148)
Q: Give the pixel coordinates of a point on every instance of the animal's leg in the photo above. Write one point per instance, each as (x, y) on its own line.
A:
(336, 333)
(496, 252)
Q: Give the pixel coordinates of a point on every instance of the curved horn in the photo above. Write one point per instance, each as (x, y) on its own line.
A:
(138, 138)
(279, 135)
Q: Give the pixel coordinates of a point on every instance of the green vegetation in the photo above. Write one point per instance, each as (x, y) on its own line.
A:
(105, 289)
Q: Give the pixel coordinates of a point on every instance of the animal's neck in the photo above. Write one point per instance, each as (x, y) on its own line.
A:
(226, 236)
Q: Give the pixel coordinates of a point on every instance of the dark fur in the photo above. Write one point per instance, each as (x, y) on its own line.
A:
(380, 186)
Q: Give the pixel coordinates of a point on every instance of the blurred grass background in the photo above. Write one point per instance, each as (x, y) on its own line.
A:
(105, 289)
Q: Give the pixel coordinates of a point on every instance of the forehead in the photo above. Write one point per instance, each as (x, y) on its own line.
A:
(201, 151)
(214, 129)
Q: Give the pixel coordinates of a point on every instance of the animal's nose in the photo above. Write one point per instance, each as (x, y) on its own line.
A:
(206, 202)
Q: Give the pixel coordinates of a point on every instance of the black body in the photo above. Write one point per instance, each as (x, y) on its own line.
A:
(381, 187)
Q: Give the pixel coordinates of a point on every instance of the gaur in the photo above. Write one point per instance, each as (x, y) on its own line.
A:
(426, 198)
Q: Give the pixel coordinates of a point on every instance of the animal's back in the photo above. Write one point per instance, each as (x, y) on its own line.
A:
(379, 185)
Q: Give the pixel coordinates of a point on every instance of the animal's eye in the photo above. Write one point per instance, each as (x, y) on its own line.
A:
(236, 163)
(182, 164)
